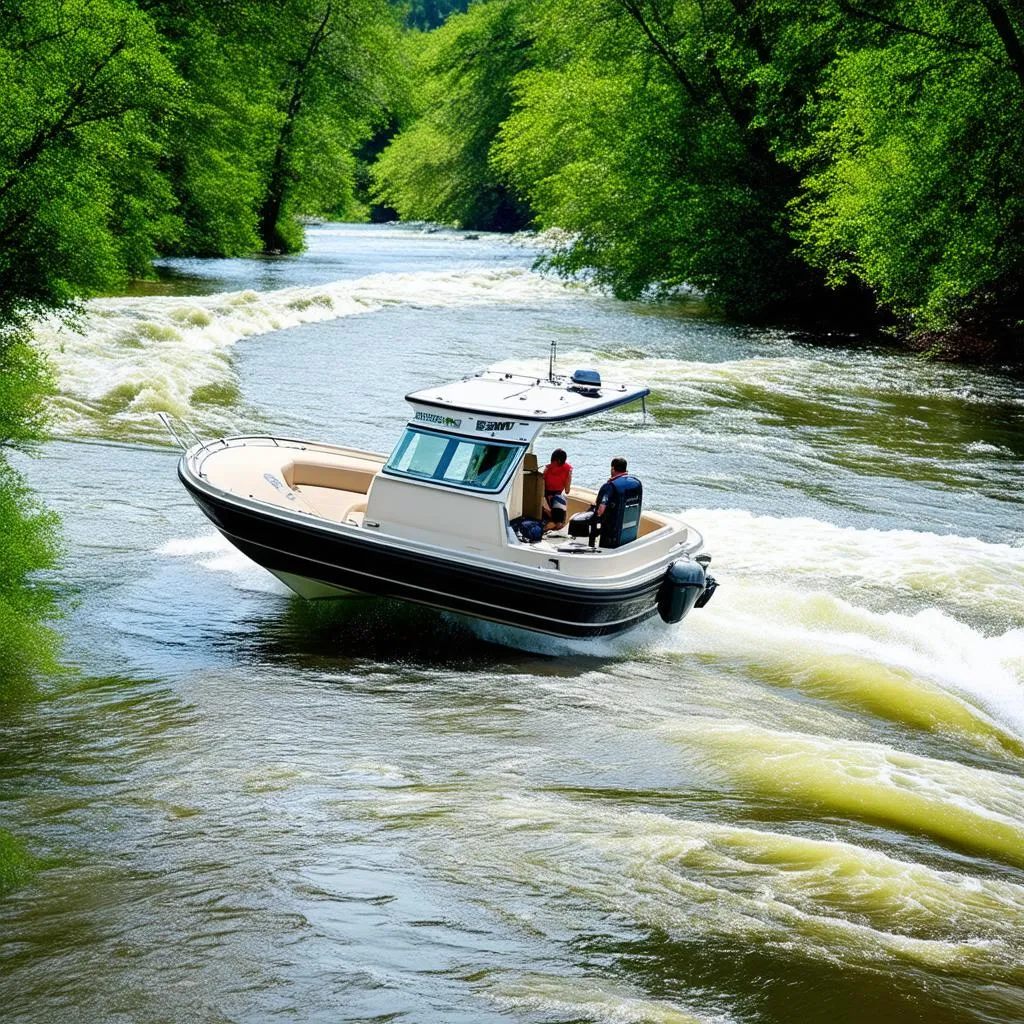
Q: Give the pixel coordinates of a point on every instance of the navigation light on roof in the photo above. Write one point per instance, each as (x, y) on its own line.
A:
(587, 381)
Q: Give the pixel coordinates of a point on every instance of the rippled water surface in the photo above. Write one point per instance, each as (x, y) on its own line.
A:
(805, 803)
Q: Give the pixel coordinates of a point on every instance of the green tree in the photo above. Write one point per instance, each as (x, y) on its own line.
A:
(219, 130)
(920, 191)
(656, 133)
(337, 77)
(82, 204)
(29, 542)
(439, 168)
(277, 97)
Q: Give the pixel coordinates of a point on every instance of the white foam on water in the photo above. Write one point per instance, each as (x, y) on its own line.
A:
(132, 357)
(213, 552)
(186, 547)
(916, 563)
(913, 667)
(687, 383)
(660, 370)
(557, 997)
(696, 880)
(793, 596)
(792, 605)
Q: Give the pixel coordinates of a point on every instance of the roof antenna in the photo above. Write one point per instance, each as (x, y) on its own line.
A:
(551, 360)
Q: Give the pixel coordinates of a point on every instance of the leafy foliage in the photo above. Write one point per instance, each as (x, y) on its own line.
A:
(135, 127)
(778, 156)
(921, 192)
(29, 535)
(218, 132)
(439, 168)
(656, 142)
(29, 541)
(25, 384)
(277, 97)
(336, 69)
(81, 204)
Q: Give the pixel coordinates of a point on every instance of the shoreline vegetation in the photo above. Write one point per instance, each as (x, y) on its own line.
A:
(853, 163)
(29, 543)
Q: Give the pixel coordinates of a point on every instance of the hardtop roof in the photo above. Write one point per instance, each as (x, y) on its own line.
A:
(521, 397)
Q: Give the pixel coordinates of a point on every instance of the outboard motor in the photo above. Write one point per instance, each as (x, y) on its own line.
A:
(710, 585)
(685, 586)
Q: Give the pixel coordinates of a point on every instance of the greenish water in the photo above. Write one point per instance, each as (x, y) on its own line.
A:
(806, 803)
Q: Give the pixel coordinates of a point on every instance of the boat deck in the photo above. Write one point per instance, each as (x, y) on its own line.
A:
(328, 483)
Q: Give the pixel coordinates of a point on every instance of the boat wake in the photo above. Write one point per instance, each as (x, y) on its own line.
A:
(130, 358)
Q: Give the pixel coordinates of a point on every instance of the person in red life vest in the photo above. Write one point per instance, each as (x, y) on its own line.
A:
(557, 484)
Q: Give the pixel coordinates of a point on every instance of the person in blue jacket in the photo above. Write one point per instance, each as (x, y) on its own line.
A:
(608, 493)
(617, 515)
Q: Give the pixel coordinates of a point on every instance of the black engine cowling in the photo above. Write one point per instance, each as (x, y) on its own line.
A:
(579, 524)
(685, 586)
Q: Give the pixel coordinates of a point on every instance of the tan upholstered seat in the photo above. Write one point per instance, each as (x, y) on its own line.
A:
(533, 487)
(328, 474)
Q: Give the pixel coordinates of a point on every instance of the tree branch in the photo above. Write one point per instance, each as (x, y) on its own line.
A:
(896, 26)
(1011, 41)
(76, 100)
(632, 8)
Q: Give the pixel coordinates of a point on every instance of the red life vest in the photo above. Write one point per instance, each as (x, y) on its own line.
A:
(556, 477)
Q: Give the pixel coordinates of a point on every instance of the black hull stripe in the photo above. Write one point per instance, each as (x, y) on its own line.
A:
(356, 564)
(320, 577)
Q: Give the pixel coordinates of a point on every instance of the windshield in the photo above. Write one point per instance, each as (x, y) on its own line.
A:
(460, 461)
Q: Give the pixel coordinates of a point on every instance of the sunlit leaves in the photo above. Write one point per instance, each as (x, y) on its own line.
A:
(645, 141)
(80, 206)
(439, 168)
(921, 191)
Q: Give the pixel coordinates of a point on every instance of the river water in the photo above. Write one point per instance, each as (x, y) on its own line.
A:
(804, 803)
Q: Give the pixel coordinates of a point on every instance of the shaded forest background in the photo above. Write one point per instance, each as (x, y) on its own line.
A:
(787, 160)
(852, 160)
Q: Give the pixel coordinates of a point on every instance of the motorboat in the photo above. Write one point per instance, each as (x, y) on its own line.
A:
(440, 521)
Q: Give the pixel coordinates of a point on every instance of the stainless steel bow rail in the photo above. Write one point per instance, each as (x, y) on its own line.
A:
(200, 448)
(169, 426)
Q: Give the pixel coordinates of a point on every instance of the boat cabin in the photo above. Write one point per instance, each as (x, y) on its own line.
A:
(464, 464)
